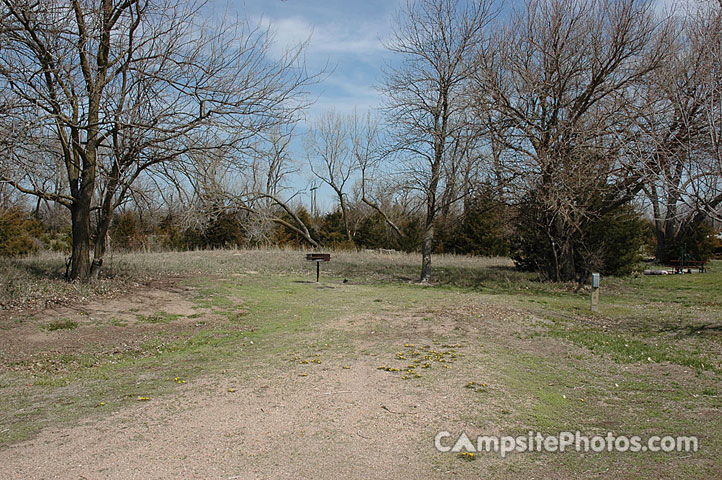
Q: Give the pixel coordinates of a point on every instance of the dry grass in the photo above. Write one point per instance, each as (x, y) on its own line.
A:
(36, 282)
(278, 260)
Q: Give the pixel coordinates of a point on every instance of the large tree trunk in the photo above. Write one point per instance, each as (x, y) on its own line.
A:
(344, 214)
(666, 232)
(101, 242)
(427, 245)
(660, 254)
(80, 263)
(83, 188)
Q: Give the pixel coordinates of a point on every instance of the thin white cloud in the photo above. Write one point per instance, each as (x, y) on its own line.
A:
(351, 86)
(287, 33)
(325, 39)
(352, 53)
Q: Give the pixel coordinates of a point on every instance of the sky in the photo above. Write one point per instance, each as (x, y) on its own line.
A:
(346, 39)
(346, 35)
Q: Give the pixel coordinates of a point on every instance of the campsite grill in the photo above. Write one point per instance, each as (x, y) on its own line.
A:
(318, 258)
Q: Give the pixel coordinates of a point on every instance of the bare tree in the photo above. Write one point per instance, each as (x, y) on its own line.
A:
(553, 82)
(675, 112)
(254, 180)
(277, 163)
(329, 154)
(369, 153)
(671, 135)
(268, 171)
(119, 88)
(269, 191)
(427, 100)
(707, 37)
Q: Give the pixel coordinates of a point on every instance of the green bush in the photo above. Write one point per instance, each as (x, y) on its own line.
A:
(331, 232)
(126, 232)
(285, 236)
(20, 234)
(483, 229)
(609, 244)
(412, 231)
(618, 237)
(224, 231)
(171, 237)
(61, 241)
(698, 243)
(372, 232)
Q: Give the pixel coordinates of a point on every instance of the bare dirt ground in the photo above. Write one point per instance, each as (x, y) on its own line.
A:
(345, 418)
(27, 342)
(272, 415)
(354, 423)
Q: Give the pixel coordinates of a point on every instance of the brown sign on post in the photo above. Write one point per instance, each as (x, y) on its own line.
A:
(318, 258)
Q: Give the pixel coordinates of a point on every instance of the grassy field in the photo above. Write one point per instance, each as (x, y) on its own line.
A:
(493, 351)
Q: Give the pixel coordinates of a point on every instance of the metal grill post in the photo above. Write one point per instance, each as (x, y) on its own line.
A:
(318, 258)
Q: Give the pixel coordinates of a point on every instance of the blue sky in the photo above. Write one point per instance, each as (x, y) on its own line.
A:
(347, 36)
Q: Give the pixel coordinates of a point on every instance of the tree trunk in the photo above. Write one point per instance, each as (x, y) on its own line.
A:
(665, 232)
(567, 267)
(83, 189)
(660, 254)
(344, 214)
(426, 245)
(36, 212)
(80, 263)
(553, 268)
(562, 267)
(101, 242)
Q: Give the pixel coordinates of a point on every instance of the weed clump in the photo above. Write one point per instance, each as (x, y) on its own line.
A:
(63, 324)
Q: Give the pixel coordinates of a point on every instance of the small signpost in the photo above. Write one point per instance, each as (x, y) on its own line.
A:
(318, 258)
(595, 292)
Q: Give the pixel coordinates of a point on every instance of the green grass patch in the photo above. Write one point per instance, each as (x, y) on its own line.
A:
(158, 317)
(117, 322)
(548, 397)
(629, 350)
(62, 324)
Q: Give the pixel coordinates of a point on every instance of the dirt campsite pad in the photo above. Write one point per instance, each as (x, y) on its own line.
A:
(272, 376)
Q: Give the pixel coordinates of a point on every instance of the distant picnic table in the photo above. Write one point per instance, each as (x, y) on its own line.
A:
(688, 265)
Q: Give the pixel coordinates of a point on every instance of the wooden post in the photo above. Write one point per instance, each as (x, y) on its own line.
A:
(318, 270)
(595, 292)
